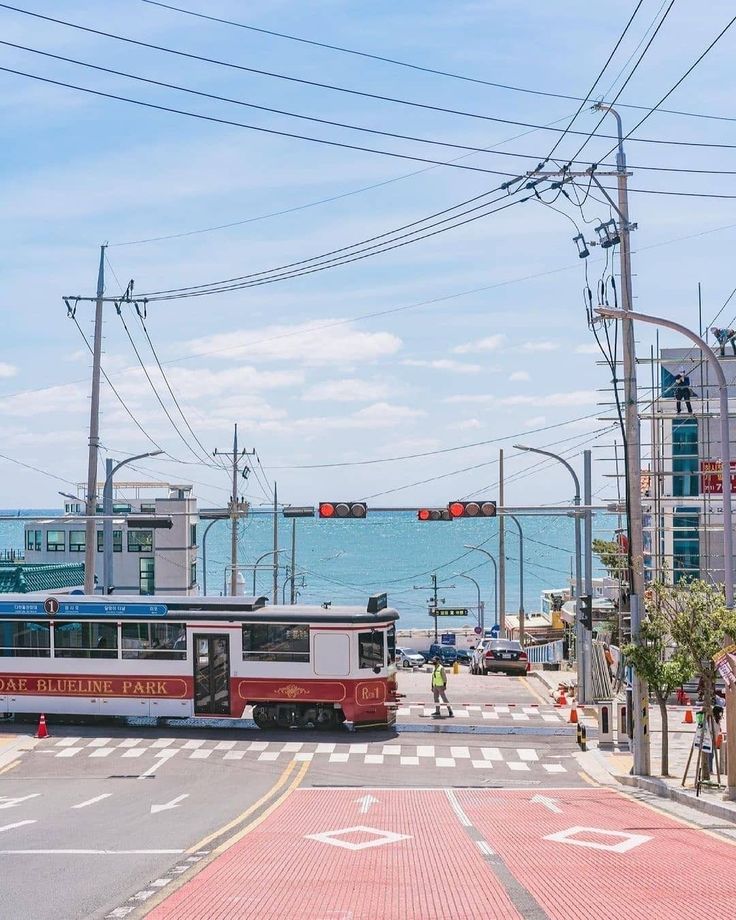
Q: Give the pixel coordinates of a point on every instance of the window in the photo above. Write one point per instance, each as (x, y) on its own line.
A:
(117, 541)
(121, 508)
(55, 541)
(140, 541)
(25, 639)
(146, 576)
(370, 649)
(157, 641)
(85, 640)
(391, 640)
(686, 544)
(193, 574)
(148, 507)
(34, 539)
(77, 541)
(267, 642)
(685, 478)
(192, 534)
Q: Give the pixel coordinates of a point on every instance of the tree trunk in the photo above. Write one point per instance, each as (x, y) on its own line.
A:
(665, 761)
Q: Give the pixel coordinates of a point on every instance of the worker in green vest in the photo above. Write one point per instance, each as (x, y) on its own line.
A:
(439, 686)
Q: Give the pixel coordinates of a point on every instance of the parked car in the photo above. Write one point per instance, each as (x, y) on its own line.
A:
(446, 653)
(500, 656)
(464, 655)
(408, 658)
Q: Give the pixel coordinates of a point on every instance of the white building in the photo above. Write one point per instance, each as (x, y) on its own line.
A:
(146, 560)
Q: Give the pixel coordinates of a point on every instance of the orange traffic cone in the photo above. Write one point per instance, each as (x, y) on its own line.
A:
(562, 699)
(42, 732)
(574, 713)
(688, 720)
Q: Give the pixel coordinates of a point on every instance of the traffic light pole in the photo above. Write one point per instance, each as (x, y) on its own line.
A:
(501, 597)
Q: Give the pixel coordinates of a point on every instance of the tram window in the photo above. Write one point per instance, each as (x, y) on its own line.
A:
(157, 641)
(391, 642)
(267, 642)
(370, 649)
(85, 640)
(25, 639)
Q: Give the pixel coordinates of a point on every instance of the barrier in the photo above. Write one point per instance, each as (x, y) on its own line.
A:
(548, 653)
(622, 721)
(605, 722)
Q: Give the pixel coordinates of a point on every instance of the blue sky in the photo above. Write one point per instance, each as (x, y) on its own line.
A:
(308, 380)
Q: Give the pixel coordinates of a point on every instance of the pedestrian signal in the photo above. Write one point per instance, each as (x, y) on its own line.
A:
(586, 611)
(342, 509)
(433, 514)
(476, 508)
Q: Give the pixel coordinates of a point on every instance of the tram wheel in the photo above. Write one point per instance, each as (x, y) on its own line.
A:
(264, 717)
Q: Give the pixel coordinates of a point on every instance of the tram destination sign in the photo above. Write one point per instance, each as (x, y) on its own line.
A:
(57, 607)
(449, 612)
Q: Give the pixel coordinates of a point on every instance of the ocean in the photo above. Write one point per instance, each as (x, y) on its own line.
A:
(346, 561)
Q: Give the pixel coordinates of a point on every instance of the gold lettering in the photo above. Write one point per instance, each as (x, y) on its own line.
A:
(97, 686)
(138, 688)
(22, 684)
(107, 686)
(127, 685)
(150, 687)
(161, 690)
(41, 684)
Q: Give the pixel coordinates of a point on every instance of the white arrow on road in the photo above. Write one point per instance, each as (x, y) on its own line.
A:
(172, 804)
(365, 803)
(549, 803)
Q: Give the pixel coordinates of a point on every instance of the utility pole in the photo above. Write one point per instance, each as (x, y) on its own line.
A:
(276, 546)
(501, 600)
(293, 559)
(236, 508)
(90, 545)
(588, 570)
(433, 601)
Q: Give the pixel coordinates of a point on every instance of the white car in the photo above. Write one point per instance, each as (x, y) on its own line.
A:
(408, 658)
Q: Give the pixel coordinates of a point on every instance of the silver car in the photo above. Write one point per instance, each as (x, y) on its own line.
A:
(408, 658)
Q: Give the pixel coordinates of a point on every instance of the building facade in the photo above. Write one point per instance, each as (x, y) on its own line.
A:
(146, 559)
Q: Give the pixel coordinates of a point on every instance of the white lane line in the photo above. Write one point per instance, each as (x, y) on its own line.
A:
(130, 742)
(324, 748)
(339, 758)
(304, 755)
(461, 713)
(69, 752)
(425, 750)
(97, 798)
(67, 742)
(527, 754)
(234, 755)
(89, 852)
(160, 882)
(257, 746)
(101, 752)
(9, 801)
(200, 755)
(192, 745)
(512, 765)
(162, 742)
(482, 764)
(491, 754)
(444, 761)
(167, 806)
(459, 752)
(134, 752)
(9, 827)
(409, 761)
(490, 715)
(484, 848)
(99, 742)
(225, 745)
(391, 749)
(461, 816)
(550, 718)
(293, 746)
(162, 757)
(269, 755)
(519, 717)
(373, 758)
(358, 748)
(554, 768)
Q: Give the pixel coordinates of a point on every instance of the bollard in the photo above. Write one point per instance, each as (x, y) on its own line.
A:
(583, 738)
(456, 667)
(579, 734)
(622, 722)
(605, 722)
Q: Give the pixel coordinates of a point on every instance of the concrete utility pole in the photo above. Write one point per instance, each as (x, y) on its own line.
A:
(235, 510)
(501, 600)
(293, 559)
(521, 578)
(433, 602)
(90, 545)
(276, 547)
(588, 569)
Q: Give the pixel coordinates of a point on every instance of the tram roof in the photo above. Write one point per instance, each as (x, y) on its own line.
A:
(196, 607)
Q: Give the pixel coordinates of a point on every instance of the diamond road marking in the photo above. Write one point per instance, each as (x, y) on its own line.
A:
(234, 755)
(491, 754)
(339, 758)
(69, 752)
(380, 838)
(554, 768)
(134, 752)
(324, 748)
(269, 755)
(409, 761)
(490, 715)
(482, 764)
(527, 754)
(626, 842)
(101, 752)
(444, 761)
(517, 766)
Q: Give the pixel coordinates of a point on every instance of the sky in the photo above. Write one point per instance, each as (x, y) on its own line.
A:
(473, 336)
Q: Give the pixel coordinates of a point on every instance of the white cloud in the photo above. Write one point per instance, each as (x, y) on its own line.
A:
(314, 343)
(573, 398)
(589, 349)
(7, 370)
(536, 421)
(347, 390)
(479, 398)
(467, 424)
(540, 346)
(490, 343)
(378, 415)
(518, 376)
(444, 364)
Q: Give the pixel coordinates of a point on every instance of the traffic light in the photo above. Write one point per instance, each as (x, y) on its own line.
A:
(475, 508)
(342, 509)
(586, 611)
(433, 514)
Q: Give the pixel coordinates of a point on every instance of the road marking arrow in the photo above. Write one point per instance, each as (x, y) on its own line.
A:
(549, 803)
(172, 804)
(365, 803)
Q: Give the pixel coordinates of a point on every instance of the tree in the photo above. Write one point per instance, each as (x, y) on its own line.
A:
(699, 622)
(663, 674)
(612, 557)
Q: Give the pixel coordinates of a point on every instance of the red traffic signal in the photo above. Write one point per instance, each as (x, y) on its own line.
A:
(342, 509)
(433, 514)
(475, 508)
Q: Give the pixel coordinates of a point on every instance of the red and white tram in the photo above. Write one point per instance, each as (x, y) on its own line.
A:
(182, 657)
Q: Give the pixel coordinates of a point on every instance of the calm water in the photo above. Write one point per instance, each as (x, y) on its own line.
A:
(345, 561)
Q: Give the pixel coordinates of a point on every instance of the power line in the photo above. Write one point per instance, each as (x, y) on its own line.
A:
(36, 469)
(430, 70)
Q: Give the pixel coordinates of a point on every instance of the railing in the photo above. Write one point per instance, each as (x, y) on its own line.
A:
(11, 555)
(545, 654)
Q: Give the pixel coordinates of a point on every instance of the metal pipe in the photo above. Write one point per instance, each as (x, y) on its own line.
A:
(204, 553)
(495, 580)
(480, 602)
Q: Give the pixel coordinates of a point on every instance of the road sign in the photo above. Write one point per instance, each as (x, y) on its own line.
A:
(477, 630)
(449, 612)
(448, 638)
(495, 631)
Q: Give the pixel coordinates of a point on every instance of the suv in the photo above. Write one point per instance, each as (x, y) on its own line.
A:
(500, 656)
(446, 653)
(408, 658)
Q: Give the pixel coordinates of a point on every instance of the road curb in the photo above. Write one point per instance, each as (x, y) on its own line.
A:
(665, 791)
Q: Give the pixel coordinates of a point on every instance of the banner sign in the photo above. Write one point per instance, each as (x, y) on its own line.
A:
(711, 477)
(449, 612)
(52, 606)
(95, 685)
(725, 662)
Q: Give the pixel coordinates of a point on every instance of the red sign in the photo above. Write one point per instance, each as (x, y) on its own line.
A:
(65, 685)
(330, 691)
(711, 477)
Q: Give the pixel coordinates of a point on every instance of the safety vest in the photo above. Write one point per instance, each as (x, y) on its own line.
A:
(438, 676)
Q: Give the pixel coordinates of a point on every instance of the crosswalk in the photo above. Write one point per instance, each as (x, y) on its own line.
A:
(489, 712)
(512, 759)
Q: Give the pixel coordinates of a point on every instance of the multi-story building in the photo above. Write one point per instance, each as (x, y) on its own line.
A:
(146, 560)
(682, 489)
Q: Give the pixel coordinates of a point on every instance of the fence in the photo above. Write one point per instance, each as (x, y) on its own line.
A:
(545, 654)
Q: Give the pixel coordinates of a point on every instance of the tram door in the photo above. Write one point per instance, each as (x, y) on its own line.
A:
(211, 675)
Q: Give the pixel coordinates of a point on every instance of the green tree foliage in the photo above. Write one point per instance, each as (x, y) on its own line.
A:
(611, 556)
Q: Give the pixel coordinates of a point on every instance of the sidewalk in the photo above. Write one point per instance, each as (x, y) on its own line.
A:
(617, 761)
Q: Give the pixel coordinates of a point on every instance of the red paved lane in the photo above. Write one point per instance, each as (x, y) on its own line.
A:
(680, 873)
(433, 872)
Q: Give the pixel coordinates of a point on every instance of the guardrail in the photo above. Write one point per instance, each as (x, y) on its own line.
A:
(545, 654)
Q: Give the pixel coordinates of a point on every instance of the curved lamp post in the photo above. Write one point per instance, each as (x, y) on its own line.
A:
(485, 552)
(480, 602)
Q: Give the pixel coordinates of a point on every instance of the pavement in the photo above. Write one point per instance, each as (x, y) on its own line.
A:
(493, 813)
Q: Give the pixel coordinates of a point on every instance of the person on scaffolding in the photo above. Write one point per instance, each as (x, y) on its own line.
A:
(683, 391)
(723, 336)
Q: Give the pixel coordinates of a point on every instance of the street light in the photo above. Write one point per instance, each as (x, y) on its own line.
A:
(480, 602)
(584, 654)
(290, 578)
(271, 552)
(709, 355)
(110, 469)
(521, 577)
(214, 520)
(495, 581)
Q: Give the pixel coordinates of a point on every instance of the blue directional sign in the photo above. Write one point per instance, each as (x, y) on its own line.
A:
(495, 631)
(67, 608)
(448, 638)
